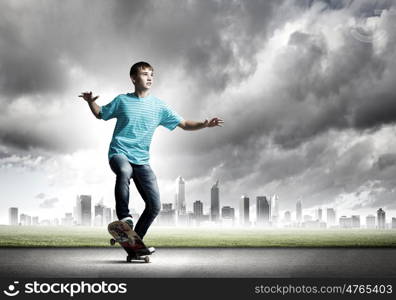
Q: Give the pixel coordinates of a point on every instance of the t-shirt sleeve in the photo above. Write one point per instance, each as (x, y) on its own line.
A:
(109, 110)
(169, 118)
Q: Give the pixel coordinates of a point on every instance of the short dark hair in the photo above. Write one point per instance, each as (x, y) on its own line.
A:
(139, 65)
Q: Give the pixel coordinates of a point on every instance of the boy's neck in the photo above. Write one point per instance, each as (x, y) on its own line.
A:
(141, 93)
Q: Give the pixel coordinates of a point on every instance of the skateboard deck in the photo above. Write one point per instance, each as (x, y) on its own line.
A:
(130, 241)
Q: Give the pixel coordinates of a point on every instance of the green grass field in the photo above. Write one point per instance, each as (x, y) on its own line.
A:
(52, 236)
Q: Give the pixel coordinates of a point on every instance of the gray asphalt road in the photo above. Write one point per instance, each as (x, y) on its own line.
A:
(200, 262)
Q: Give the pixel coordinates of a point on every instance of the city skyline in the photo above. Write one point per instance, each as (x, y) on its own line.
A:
(309, 106)
(168, 218)
(266, 211)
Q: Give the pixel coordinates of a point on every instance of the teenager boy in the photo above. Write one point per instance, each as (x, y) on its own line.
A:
(138, 114)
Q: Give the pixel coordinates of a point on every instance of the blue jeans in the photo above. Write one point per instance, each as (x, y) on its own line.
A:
(146, 184)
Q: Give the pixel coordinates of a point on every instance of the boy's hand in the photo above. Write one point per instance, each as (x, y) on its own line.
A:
(214, 122)
(88, 97)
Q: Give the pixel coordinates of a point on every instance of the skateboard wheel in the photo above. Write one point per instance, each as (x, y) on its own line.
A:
(147, 259)
(112, 242)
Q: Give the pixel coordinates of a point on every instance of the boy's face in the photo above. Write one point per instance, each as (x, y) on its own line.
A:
(144, 79)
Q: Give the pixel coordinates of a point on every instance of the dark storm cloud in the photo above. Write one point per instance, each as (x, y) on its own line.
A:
(31, 51)
(386, 160)
(224, 53)
(39, 40)
(318, 90)
(213, 42)
(331, 4)
(379, 109)
(347, 94)
(360, 8)
(25, 140)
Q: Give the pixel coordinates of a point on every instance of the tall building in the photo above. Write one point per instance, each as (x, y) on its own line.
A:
(13, 216)
(370, 221)
(167, 206)
(28, 220)
(77, 211)
(381, 218)
(107, 215)
(67, 220)
(35, 220)
(244, 208)
(319, 214)
(198, 209)
(215, 202)
(228, 212)
(86, 210)
(331, 216)
(167, 216)
(355, 221)
(263, 210)
(393, 223)
(345, 222)
(180, 196)
(25, 219)
(22, 219)
(274, 205)
(287, 216)
(299, 211)
(99, 214)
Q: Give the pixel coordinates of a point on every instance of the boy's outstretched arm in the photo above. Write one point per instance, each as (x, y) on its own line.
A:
(194, 125)
(91, 102)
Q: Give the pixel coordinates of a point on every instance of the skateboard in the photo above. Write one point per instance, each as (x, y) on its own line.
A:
(130, 241)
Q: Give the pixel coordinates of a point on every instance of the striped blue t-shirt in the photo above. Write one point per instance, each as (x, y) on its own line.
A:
(137, 119)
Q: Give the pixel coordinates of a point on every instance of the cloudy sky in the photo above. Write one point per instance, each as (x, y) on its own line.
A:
(307, 90)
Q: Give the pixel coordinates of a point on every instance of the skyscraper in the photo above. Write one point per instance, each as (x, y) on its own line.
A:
(345, 222)
(228, 212)
(167, 206)
(244, 208)
(35, 220)
(77, 211)
(167, 216)
(215, 202)
(25, 219)
(13, 216)
(86, 210)
(299, 211)
(99, 214)
(331, 216)
(319, 214)
(180, 196)
(393, 223)
(263, 210)
(67, 220)
(355, 221)
(198, 209)
(274, 205)
(107, 215)
(381, 218)
(287, 216)
(370, 221)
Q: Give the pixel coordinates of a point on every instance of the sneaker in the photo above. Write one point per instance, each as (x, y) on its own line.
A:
(129, 221)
